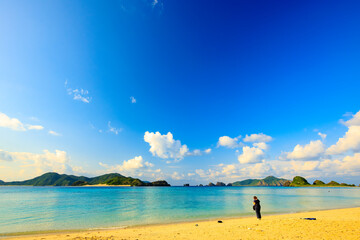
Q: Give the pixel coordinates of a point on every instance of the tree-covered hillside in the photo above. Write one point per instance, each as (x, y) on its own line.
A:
(268, 181)
(55, 179)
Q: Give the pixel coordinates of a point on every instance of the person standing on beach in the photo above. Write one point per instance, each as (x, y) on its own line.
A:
(257, 207)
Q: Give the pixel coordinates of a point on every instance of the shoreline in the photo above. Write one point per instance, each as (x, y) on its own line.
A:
(102, 233)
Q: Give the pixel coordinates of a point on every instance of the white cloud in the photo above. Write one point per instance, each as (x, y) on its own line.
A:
(354, 121)
(177, 176)
(12, 123)
(54, 133)
(322, 135)
(35, 127)
(27, 165)
(261, 145)
(154, 2)
(310, 151)
(196, 152)
(113, 129)
(229, 169)
(165, 146)
(258, 170)
(301, 166)
(226, 141)
(351, 141)
(129, 165)
(349, 165)
(16, 124)
(5, 156)
(133, 100)
(251, 155)
(257, 138)
(78, 94)
(134, 167)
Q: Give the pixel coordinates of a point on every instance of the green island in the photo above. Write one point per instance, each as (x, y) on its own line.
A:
(268, 181)
(111, 179)
(116, 179)
(302, 182)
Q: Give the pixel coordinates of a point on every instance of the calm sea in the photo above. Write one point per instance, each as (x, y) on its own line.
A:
(25, 209)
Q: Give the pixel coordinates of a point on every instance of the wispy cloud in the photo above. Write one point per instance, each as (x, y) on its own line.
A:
(35, 127)
(154, 2)
(113, 129)
(78, 94)
(54, 133)
(133, 100)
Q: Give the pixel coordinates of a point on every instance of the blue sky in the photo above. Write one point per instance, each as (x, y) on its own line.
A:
(100, 75)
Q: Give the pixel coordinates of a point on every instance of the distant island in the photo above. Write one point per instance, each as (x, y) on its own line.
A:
(302, 182)
(116, 179)
(272, 181)
(111, 179)
(268, 181)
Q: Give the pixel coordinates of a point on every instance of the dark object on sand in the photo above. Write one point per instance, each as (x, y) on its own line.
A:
(219, 221)
(257, 207)
(309, 218)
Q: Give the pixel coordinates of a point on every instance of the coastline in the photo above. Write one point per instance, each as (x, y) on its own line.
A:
(330, 224)
(103, 185)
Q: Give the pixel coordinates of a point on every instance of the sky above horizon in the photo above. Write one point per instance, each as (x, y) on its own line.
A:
(186, 91)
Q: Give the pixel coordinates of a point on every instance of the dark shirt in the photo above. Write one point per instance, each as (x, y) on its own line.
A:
(256, 204)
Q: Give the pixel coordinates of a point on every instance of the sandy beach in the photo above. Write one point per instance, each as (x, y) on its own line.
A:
(329, 224)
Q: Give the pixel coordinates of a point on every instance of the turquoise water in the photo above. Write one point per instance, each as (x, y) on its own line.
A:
(56, 208)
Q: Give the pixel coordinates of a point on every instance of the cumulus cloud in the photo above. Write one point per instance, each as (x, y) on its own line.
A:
(251, 155)
(207, 151)
(354, 121)
(78, 94)
(165, 146)
(235, 172)
(257, 138)
(129, 165)
(16, 124)
(261, 145)
(136, 166)
(351, 141)
(12, 123)
(310, 151)
(349, 165)
(132, 99)
(226, 141)
(27, 164)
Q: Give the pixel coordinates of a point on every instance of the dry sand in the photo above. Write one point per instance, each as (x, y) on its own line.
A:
(330, 224)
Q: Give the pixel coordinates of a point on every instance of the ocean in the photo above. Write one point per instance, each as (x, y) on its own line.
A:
(34, 209)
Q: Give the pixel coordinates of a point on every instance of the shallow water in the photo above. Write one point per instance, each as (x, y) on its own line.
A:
(25, 209)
